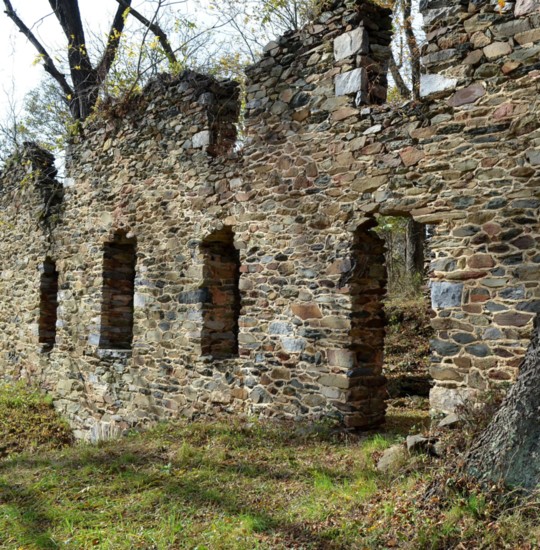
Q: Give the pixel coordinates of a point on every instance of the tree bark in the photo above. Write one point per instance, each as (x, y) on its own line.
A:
(509, 449)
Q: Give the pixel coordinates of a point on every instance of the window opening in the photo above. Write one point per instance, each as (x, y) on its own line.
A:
(119, 259)
(221, 309)
(48, 304)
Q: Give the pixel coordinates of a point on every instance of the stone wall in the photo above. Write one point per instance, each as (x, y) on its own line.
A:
(258, 278)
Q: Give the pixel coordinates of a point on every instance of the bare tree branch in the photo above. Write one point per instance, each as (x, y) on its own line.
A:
(48, 63)
(115, 34)
(155, 28)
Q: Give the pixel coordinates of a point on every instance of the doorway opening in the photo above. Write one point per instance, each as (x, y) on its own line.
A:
(407, 312)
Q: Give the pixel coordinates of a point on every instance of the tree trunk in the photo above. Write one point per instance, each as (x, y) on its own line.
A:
(509, 449)
(398, 79)
(414, 50)
(414, 254)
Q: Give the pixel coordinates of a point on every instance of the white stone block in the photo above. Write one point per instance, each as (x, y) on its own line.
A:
(432, 84)
(201, 139)
(446, 400)
(351, 43)
(351, 82)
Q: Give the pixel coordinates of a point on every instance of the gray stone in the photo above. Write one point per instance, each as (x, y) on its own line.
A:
(510, 28)
(198, 296)
(419, 443)
(351, 82)
(523, 7)
(293, 345)
(260, 395)
(513, 293)
(392, 459)
(351, 43)
(446, 400)
(533, 156)
(492, 333)
(434, 84)
(451, 421)
(444, 348)
(201, 139)
(438, 57)
(278, 327)
(445, 295)
(478, 350)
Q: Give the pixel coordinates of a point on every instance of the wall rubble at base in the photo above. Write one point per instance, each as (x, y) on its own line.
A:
(321, 157)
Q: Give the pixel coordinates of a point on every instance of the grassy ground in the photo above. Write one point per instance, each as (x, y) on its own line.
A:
(242, 484)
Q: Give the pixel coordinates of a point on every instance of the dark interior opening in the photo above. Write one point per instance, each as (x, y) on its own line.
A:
(48, 304)
(221, 309)
(119, 258)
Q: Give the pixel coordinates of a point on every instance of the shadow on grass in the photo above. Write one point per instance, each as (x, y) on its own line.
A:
(200, 484)
(30, 512)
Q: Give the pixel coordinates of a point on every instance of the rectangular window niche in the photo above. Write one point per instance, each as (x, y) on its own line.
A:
(119, 258)
(48, 306)
(221, 310)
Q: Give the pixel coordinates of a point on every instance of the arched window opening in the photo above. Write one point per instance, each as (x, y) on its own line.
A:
(221, 310)
(48, 304)
(119, 259)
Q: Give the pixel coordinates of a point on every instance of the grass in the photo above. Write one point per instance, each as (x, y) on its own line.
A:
(243, 484)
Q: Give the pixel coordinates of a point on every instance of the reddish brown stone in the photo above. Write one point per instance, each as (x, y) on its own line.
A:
(480, 295)
(524, 242)
(467, 95)
(343, 113)
(474, 57)
(512, 319)
(464, 275)
(503, 111)
(462, 362)
(492, 228)
(411, 156)
(479, 261)
(307, 311)
(372, 149)
(423, 133)
(472, 308)
(510, 66)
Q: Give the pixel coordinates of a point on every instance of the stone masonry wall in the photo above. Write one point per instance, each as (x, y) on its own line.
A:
(294, 208)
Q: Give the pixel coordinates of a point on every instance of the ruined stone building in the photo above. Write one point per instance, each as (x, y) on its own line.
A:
(176, 273)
